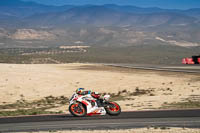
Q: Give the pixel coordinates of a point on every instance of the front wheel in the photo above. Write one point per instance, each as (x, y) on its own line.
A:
(77, 109)
(113, 108)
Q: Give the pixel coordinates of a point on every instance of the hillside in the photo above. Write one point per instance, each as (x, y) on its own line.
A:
(28, 24)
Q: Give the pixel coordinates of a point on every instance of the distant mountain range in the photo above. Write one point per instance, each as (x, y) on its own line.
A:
(23, 23)
(20, 9)
(105, 16)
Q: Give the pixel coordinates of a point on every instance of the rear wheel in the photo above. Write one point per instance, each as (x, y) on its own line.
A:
(113, 108)
(77, 109)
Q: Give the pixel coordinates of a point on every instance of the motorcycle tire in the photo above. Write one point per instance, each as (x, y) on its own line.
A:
(78, 110)
(113, 109)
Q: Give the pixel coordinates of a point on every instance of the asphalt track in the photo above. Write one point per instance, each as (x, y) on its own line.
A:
(169, 68)
(126, 120)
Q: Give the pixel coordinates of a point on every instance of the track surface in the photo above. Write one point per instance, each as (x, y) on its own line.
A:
(137, 119)
(172, 68)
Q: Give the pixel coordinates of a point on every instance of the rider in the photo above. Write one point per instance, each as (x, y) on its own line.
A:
(96, 95)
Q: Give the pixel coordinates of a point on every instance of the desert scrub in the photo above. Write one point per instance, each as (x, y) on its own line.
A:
(34, 111)
(125, 95)
(23, 107)
(139, 92)
(182, 105)
(117, 98)
(155, 54)
(49, 101)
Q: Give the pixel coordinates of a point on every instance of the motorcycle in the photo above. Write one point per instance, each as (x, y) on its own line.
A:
(86, 105)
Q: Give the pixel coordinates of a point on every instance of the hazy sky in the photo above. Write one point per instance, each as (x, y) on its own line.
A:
(178, 4)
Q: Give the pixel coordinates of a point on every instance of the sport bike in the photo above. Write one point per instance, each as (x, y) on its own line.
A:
(86, 105)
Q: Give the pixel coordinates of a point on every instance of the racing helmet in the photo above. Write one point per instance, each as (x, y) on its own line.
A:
(79, 90)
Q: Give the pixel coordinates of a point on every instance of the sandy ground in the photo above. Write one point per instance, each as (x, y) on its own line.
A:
(33, 82)
(142, 130)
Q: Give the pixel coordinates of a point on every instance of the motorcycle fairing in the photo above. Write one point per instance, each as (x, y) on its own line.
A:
(91, 110)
